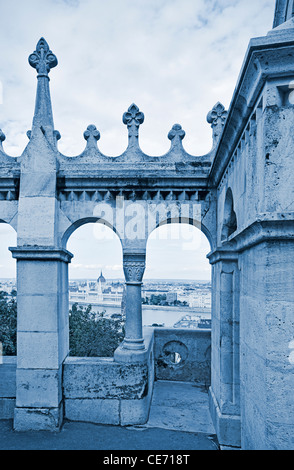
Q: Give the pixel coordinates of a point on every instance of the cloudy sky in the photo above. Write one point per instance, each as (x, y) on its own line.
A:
(174, 58)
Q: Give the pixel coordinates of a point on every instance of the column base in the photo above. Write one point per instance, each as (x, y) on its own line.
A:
(129, 355)
(227, 427)
(133, 344)
(38, 419)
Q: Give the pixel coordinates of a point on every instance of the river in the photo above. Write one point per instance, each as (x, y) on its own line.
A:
(160, 315)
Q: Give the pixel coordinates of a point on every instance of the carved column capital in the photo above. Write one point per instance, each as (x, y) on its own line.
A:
(134, 267)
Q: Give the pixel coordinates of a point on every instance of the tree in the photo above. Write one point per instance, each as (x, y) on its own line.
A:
(8, 321)
(92, 335)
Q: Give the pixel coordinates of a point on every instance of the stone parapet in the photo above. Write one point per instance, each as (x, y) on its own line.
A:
(183, 355)
(100, 390)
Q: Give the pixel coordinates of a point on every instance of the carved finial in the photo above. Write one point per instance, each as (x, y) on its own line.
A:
(133, 118)
(2, 136)
(217, 118)
(176, 131)
(43, 60)
(57, 135)
(91, 135)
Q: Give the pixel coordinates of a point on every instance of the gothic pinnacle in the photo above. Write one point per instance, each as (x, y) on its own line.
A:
(43, 60)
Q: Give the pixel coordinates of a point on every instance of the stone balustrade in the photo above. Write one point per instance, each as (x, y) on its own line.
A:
(104, 391)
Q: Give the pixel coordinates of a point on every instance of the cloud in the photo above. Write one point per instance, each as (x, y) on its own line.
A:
(116, 267)
(91, 267)
(174, 59)
(71, 3)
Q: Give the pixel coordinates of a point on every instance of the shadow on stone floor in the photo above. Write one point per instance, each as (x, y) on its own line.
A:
(179, 420)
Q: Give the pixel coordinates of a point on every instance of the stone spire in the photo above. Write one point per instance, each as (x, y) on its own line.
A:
(43, 60)
(217, 118)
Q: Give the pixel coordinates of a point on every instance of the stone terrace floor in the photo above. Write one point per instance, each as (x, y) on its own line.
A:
(179, 420)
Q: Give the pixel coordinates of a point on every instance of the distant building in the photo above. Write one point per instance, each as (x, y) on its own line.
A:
(171, 297)
(205, 323)
(101, 278)
(188, 321)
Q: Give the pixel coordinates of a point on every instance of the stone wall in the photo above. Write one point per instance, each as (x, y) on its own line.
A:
(267, 325)
(7, 386)
(252, 295)
(183, 355)
(100, 390)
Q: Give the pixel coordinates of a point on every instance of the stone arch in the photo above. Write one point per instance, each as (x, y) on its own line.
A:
(10, 224)
(80, 222)
(229, 225)
(12, 233)
(186, 220)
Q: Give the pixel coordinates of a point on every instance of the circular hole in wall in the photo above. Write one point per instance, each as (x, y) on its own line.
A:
(175, 358)
(174, 353)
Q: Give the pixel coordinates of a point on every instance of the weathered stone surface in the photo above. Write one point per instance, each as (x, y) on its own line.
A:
(38, 388)
(38, 350)
(7, 377)
(39, 311)
(97, 378)
(7, 406)
(134, 412)
(93, 410)
(268, 278)
(38, 419)
(228, 427)
(194, 349)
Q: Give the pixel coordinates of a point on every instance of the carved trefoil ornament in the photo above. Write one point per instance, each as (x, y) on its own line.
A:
(133, 118)
(217, 118)
(176, 131)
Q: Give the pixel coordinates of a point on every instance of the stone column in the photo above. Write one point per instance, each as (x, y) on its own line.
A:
(225, 380)
(42, 336)
(133, 345)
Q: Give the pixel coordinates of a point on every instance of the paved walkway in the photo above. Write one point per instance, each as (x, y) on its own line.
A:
(179, 420)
